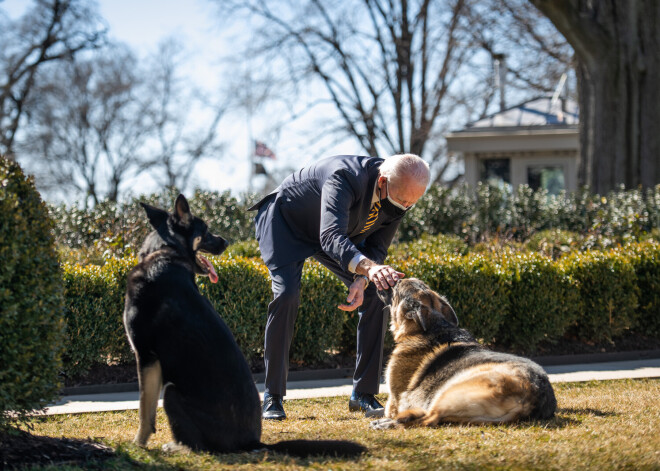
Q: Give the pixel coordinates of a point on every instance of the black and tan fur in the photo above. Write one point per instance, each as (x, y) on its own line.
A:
(183, 347)
(440, 373)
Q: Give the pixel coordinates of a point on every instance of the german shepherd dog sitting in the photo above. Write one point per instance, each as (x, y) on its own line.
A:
(440, 373)
(181, 342)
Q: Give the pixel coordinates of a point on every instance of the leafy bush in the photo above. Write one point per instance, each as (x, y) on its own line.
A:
(487, 211)
(440, 210)
(426, 244)
(608, 291)
(247, 248)
(645, 259)
(508, 299)
(543, 301)
(243, 293)
(31, 300)
(475, 215)
(95, 301)
(474, 286)
(95, 306)
(117, 229)
(554, 243)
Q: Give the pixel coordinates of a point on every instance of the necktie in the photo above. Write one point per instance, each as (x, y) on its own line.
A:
(373, 215)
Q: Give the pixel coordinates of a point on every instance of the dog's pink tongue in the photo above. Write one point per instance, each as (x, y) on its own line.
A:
(213, 276)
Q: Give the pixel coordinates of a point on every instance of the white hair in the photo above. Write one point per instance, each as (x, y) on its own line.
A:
(406, 166)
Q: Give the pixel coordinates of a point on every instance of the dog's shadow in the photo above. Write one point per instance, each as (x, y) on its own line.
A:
(565, 417)
(163, 460)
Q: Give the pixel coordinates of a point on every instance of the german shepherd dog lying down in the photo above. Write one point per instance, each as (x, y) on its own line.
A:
(183, 346)
(440, 373)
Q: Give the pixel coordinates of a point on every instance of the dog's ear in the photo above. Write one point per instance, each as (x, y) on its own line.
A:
(444, 308)
(182, 210)
(156, 216)
(419, 313)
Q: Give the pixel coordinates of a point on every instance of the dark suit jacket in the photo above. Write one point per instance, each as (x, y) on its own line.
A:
(324, 207)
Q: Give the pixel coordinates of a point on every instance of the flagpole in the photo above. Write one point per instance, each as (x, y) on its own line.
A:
(248, 79)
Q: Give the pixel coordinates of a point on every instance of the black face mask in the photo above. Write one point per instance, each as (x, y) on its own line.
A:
(390, 210)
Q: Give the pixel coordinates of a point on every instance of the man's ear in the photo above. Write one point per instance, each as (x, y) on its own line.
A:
(156, 216)
(182, 210)
(381, 182)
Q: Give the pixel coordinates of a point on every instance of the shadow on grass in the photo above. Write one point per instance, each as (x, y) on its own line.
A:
(19, 448)
(566, 417)
(587, 411)
(159, 459)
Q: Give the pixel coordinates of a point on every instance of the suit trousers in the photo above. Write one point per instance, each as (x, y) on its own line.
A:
(282, 313)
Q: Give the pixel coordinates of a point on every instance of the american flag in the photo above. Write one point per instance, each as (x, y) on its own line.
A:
(262, 150)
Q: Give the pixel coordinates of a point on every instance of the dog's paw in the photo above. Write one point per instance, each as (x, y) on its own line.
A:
(383, 424)
(175, 447)
(140, 441)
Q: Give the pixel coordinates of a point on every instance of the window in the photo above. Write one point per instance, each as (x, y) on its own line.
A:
(550, 178)
(496, 172)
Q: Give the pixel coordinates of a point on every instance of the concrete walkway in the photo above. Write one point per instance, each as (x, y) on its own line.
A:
(342, 387)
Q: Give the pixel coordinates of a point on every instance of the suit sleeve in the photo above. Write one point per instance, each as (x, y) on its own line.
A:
(339, 194)
(376, 245)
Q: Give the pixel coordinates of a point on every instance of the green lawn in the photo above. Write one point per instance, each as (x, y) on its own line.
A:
(599, 425)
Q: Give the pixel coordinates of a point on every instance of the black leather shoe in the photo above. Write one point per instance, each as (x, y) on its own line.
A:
(272, 408)
(366, 403)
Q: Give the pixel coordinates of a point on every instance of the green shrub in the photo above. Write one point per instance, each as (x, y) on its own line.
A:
(645, 259)
(247, 248)
(118, 229)
(243, 293)
(440, 210)
(543, 301)
(428, 244)
(95, 302)
(554, 243)
(474, 285)
(486, 211)
(95, 306)
(608, 292)
(510, 299)
(31, 301)
(320, 322)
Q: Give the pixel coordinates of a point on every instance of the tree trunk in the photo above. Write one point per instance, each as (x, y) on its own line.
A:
(616, 43)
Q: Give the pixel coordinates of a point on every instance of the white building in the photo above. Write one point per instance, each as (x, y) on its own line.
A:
(536, 143)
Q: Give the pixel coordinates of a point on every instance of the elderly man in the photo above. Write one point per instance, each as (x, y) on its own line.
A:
(344, 212)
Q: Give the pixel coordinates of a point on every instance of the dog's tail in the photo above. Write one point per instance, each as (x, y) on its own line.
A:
(303, 448)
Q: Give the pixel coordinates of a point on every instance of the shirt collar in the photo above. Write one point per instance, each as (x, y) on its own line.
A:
(375, 196)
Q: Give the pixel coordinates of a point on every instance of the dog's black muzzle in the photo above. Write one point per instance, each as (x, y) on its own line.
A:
(213, 244)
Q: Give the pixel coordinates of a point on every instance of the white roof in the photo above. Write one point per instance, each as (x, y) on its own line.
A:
(538, 112)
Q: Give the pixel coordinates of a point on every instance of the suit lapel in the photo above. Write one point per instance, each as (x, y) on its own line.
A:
(365, 205)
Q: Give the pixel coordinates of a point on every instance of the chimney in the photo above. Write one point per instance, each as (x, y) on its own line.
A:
(499, 69)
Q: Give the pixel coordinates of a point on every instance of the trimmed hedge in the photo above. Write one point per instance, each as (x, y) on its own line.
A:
(608, 291)
(511, 300)
(475, 214)
(486, 211)
(95, 306)
(544, 301)
(645, 259)
(31, 298)
(95, 301)
(243, 293)
(474, 286)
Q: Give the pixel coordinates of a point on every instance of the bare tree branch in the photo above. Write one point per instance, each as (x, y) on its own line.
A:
(52, 30)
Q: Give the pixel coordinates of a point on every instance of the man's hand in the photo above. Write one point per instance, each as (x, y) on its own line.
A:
(355, 296)
(384, 276)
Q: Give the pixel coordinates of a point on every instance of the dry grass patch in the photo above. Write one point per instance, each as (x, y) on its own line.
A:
(599, 425)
